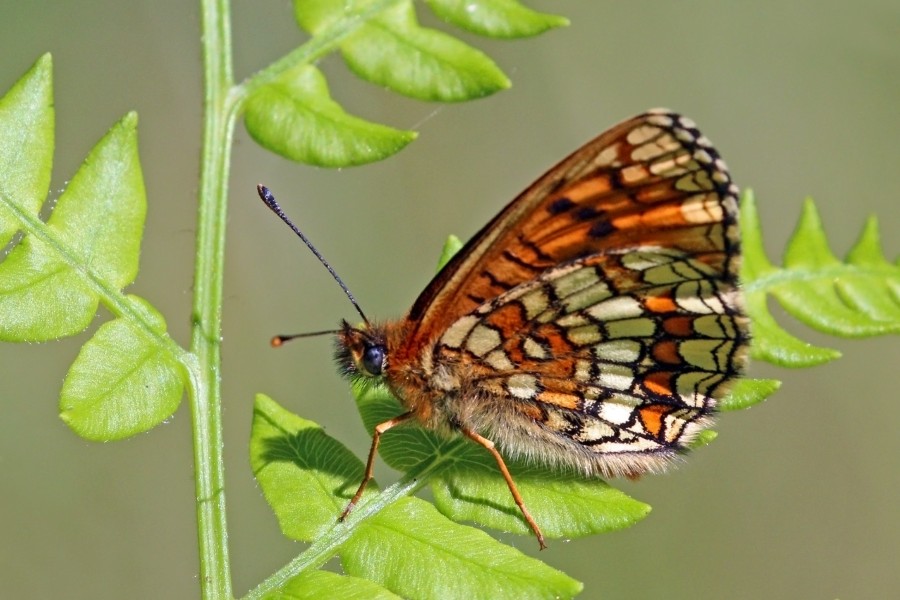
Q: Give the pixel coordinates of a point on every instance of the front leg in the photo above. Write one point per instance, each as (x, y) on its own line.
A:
(370, 464)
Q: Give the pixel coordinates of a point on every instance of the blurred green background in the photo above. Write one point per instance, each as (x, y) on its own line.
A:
(797, 497)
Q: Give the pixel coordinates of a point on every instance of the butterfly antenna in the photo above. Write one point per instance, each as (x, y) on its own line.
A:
(269, 199)
(278, 340)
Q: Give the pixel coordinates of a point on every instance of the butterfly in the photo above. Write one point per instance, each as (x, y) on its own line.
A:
(592, 325)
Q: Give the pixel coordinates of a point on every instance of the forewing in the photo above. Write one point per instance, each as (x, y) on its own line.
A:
(652, 181)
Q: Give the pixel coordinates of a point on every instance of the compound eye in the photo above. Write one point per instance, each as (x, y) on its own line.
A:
(373, 359)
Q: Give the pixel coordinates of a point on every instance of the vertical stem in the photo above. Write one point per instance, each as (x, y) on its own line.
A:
(218, 126)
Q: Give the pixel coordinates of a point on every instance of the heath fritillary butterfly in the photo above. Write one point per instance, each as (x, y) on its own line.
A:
(592, 325)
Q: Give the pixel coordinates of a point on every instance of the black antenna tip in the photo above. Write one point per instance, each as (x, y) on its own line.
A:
(265, 194)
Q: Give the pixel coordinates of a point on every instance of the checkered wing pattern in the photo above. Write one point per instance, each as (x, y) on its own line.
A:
(599, 313)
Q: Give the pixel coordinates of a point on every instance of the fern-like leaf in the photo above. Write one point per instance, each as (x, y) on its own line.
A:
(288, 108)
(126, 378)
(394, 51)
(858, 297)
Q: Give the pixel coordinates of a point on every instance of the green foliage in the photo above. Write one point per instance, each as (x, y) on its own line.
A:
(748, 392)
(26, 146)
(495, 18)
(452, 245)
(126, 378)
(859, 297)
(308, 478)
(288, 107)
(394, 51)
(283, 445)
(400, 547)
(295, 117)
(123, 381)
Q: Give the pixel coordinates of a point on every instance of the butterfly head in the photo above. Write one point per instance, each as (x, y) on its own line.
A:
(361, 351)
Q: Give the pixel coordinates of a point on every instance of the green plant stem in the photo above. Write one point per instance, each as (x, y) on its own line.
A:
(222, 102)
(209, 473)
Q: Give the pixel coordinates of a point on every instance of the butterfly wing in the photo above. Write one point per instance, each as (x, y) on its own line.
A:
(599, 311)
(652, 180)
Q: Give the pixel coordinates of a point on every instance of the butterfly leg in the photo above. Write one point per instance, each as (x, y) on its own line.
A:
(370, 463)
(489, 446)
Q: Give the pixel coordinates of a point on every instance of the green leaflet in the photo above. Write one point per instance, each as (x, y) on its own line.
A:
(495, 18)
(51, 282)
(852, 299)
(747, 392)
(122, 381)
(395, 51)
(566, 506)
(452, 245)
(858, 297)
(294, 116)
(26, 145)
(391, 49)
